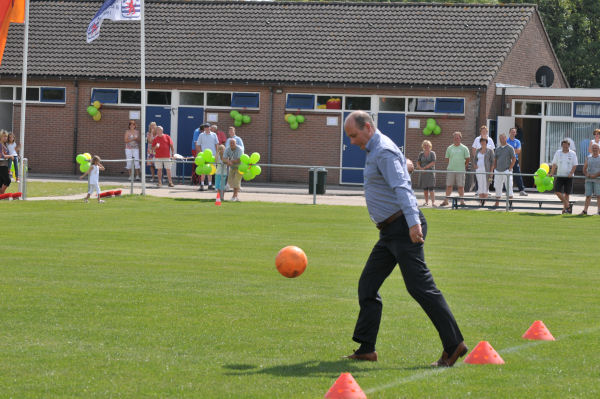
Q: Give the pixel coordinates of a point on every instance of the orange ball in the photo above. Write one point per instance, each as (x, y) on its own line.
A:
(291, 261)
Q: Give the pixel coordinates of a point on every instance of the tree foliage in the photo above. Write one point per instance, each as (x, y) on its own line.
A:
(574, 30)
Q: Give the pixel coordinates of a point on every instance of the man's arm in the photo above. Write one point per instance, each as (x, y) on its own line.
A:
(585, 165)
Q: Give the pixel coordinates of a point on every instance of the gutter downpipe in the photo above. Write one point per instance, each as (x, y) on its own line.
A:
(76, 127)
(270, 132)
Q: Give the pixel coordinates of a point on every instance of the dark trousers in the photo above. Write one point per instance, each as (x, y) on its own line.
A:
(394, 247)
(518, 179)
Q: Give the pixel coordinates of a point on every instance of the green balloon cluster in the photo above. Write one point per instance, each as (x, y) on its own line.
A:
(432, 127)
(248, 166)
(294, 120)
(84, 161)
(239, 119)
(543, 182)
(205, 163)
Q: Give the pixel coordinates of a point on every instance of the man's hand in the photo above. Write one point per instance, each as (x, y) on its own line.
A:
(409, 165)
(416, 234)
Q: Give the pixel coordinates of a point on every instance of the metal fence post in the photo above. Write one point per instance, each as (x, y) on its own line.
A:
(314, 186)
(25, 167)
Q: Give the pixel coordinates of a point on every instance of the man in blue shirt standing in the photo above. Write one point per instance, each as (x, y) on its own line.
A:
(515, 143)
(392, 205)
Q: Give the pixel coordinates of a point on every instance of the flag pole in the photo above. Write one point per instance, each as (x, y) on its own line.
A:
(23, 95)
(143, 94)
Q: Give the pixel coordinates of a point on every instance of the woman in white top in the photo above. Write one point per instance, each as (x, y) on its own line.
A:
(596, 140)
(13, 149)
(132, 148)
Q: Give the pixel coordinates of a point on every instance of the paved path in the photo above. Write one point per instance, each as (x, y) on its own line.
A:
(286, 193)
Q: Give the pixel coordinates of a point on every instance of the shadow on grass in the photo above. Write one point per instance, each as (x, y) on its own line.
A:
(194, 199)
(315, 368)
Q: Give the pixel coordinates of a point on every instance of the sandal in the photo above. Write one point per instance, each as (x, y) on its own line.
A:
(583, 213)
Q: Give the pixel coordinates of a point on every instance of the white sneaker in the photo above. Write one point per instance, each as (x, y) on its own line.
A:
(522, 193)
(101, 201)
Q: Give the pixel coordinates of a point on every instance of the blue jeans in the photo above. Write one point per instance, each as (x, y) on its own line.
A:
(518, 179)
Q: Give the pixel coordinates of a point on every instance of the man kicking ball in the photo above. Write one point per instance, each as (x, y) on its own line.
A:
(392, 205)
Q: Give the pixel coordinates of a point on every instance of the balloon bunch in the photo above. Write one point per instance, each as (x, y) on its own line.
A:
(543, 182)
(205, 163)
(294, 120)
(432, 127)
(84, 161)
(93, 110)
(248, 166)
(238, 118)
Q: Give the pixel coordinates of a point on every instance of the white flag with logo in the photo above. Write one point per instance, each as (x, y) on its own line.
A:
(115, 10)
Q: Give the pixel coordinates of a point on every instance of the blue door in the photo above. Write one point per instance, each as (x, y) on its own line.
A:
(352, 157)
(189, 119)
(390, 124)
(162, 117)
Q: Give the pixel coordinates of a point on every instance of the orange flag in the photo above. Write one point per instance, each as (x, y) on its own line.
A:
(10, 11)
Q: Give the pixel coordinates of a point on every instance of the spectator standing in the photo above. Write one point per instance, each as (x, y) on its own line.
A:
(221, 136)
(426, 160)
(591, 170)
(149, 150)
(595, 139)
(220, 174)
(483, 133)
(132, 149)
(163, 150)
(504, 161)
(483, 161)
(207, 140)
(4, 158)
(231, 157)
(238, 139)
(13, 150)
(515, 143)
(94, 172)
(458, 157)
(564, 163)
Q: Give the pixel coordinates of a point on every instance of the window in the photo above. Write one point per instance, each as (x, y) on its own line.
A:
(358, 103)
(33, 94)
(131, 97)
(528, 108)
(52, 94)
(191, 98)
(450, 105)
(6, 93)
(218, 99)
(421, 104)
(329, 102)
(392, 104)
(586, 110)
(245, 100)
(105, 96)
(159, 97)
(579, 132)
(555, 108)
(300, 101)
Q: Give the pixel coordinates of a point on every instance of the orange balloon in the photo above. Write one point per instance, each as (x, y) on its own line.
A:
(291, 261)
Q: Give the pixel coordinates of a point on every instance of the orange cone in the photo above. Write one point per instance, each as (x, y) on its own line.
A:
(484, 354)
(345, 387)
(218, 200)
(538, 331)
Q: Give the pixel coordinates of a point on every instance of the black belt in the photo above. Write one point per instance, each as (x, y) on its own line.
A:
(389, 220)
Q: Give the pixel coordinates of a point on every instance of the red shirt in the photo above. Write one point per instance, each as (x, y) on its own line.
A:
(221, 136)
(164, 151)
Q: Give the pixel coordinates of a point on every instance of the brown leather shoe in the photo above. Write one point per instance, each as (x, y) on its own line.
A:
(448, 361)
(370, 356)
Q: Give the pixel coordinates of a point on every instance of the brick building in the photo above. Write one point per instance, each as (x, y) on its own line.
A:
(403, 62)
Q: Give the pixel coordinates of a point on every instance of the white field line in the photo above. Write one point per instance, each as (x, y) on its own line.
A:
(434, 371)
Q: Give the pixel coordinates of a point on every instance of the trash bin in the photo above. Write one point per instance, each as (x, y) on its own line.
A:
(321, 178)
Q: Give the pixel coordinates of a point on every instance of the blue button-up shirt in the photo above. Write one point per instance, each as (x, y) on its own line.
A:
(387, 183)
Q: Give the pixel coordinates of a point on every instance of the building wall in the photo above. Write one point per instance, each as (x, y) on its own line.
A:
(50, 128)
(531, 51)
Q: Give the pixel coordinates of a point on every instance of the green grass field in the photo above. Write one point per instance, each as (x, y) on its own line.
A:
(146, 297)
